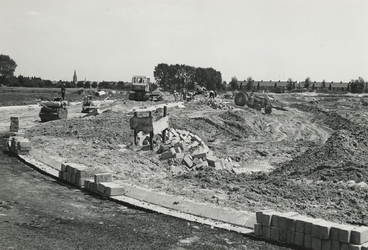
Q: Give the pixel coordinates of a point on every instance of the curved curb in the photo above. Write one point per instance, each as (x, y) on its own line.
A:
(216, 217)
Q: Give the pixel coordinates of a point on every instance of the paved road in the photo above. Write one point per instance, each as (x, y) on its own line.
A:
(39, 212)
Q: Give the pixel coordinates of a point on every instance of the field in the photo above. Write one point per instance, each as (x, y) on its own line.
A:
(310, 158)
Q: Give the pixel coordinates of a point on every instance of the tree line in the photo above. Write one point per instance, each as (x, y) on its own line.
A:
(7, 78)
(178, 76)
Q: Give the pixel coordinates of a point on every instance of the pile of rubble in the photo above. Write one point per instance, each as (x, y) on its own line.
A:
(216, 104)
(190, 150)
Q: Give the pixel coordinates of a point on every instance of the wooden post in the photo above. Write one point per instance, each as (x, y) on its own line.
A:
(164, 132)
(151, 133)
(135, 132)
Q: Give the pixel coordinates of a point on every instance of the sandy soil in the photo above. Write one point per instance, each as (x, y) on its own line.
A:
(300, 159)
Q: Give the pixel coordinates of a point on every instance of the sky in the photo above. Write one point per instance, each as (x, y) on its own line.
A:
(112, 40)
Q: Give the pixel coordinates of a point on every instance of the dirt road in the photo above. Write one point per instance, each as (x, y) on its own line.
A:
(38, 212)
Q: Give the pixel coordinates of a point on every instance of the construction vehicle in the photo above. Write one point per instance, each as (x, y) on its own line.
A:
(142, 90)
(257, 101)
(199, 90)
(88, 104)
(53, 110)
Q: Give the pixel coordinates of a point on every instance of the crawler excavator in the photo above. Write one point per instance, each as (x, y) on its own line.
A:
(53, 110)
(142, 90)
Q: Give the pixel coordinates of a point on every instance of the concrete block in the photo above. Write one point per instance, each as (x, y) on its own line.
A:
(105, 177)
(324, 230)
(345, 246)
(283, 235)
(335, 245)
(196, 138)
(112, 189)
(316, 243)
(100, 187)
(290, 237)
(283, 217)
(218, 165)
(307, 241)
(164, 147)
(299, 223)
(197, 161)
(69, 169)
(308, 225)
(72, 178)
(179, 155)
(88, 184)
(258, 229)
(177, 149)
(344, 233)
(275, 234)
(188, 161)
(167, 155)
(291, 223)
(200, 154)
(201, 165)
(194, 144)
(355, 247)
(173, 150)
(267, 217)
(275, 219)
(211, 159)
(22, 152)
(63, 167)
(266, 232)
(359, 235)
(79, 181)
(364, 246)
(334, 232)
(299, 239)
(259, 215)
(24, 143)
(317, 225)
(326, 245)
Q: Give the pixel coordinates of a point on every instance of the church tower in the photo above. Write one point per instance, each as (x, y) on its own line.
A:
(75, 77)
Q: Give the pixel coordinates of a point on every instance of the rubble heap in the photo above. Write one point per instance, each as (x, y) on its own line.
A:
(190, 150)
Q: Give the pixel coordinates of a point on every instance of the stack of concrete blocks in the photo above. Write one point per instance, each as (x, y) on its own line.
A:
(191, 149)
(102, 184)
(14, 124)
(309, 233)
(18, 144)
(75, 173)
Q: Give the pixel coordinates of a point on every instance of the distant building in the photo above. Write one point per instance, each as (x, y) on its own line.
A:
(75, 80)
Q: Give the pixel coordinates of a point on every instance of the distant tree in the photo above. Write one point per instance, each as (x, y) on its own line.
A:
(250, 83)
(162, 75)
(307, 82)
(7, 68)
(80, 84)
(87, 84)
(233, 83)
(357, 86)
(323, 84)
(104, 85)
(71, 84)
(290, 84)
(94, 85)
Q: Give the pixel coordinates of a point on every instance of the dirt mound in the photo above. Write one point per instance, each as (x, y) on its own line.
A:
(342, 157)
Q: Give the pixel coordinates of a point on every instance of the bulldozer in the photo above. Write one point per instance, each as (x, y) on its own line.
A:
(142, 90)
(257, 101)
(53, 110)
